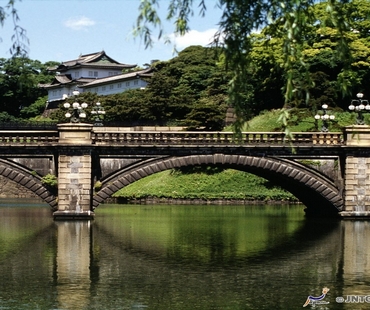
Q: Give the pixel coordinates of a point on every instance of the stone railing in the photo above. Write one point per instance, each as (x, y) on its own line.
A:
(28, 137)
(48, 137)
(209, 138)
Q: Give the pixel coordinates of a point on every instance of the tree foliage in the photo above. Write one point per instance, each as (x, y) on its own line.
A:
(19, 83)
(291, 21)
(35, 109)
(188, 83)
(19, 38)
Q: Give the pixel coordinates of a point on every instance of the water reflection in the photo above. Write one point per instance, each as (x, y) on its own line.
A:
(201, 233)
(73, 263)
(180, 257)
(356, 258)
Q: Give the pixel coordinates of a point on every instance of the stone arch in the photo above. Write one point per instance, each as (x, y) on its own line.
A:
(25, 178)
(309, 186)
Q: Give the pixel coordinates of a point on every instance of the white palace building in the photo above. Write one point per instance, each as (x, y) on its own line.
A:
(96, 73)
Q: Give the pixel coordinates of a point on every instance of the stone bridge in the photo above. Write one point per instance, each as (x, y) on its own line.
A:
(328, 172)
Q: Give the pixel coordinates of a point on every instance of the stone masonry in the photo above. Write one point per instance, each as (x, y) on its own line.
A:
(74, 187)
(357, 171)
(357, 184)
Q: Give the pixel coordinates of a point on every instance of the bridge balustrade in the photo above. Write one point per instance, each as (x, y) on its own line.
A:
(48, 137)
(20, 137)
(188, 137)
(327, 138)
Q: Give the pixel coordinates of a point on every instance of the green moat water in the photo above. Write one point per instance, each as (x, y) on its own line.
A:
(180, 257)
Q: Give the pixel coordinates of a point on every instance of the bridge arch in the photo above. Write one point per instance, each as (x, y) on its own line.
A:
(313, 189)
(24, 177)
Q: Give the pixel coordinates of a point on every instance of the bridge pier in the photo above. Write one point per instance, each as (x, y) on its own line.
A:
(357, 172)
(74, 175)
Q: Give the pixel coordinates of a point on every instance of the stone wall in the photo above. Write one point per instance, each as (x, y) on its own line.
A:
(10, 189)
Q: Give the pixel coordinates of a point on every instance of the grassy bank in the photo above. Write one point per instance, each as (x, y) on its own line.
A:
(300, 120)
(208, 185)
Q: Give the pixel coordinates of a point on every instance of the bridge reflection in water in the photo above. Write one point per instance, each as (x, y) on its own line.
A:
(179, 257)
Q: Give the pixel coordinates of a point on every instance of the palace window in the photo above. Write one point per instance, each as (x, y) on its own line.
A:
(93, 73)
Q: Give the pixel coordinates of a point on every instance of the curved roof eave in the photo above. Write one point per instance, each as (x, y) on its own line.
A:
(116, 78)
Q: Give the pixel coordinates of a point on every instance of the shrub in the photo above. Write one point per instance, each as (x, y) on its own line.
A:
(50, 180)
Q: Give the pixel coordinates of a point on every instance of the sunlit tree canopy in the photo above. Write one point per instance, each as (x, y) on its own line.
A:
(296, 23)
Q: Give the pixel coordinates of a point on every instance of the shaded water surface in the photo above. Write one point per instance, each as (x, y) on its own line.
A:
(180, 257)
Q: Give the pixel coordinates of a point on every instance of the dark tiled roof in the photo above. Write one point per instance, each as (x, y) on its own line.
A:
(59, 79)
(106, 65)
(100, 59)
(85, 80)
(63, 79)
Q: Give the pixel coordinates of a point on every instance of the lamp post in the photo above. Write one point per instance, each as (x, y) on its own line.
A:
(325, 117)
(98, 111)
(360, 106)
(76, 111)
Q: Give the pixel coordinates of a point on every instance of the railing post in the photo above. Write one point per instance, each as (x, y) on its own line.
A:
(74, 172)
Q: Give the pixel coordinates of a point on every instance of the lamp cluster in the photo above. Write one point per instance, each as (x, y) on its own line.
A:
(76, 112)
(325, 117)
(360, 105)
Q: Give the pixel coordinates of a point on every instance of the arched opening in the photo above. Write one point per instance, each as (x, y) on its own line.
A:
(317, 192)
(25, 178)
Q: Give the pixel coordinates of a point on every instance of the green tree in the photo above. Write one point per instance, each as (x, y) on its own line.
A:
(19, 83)
(178, 88)
(35, 109)
(207, 114)
(240, 18)
(131, 108)
(325, 74)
